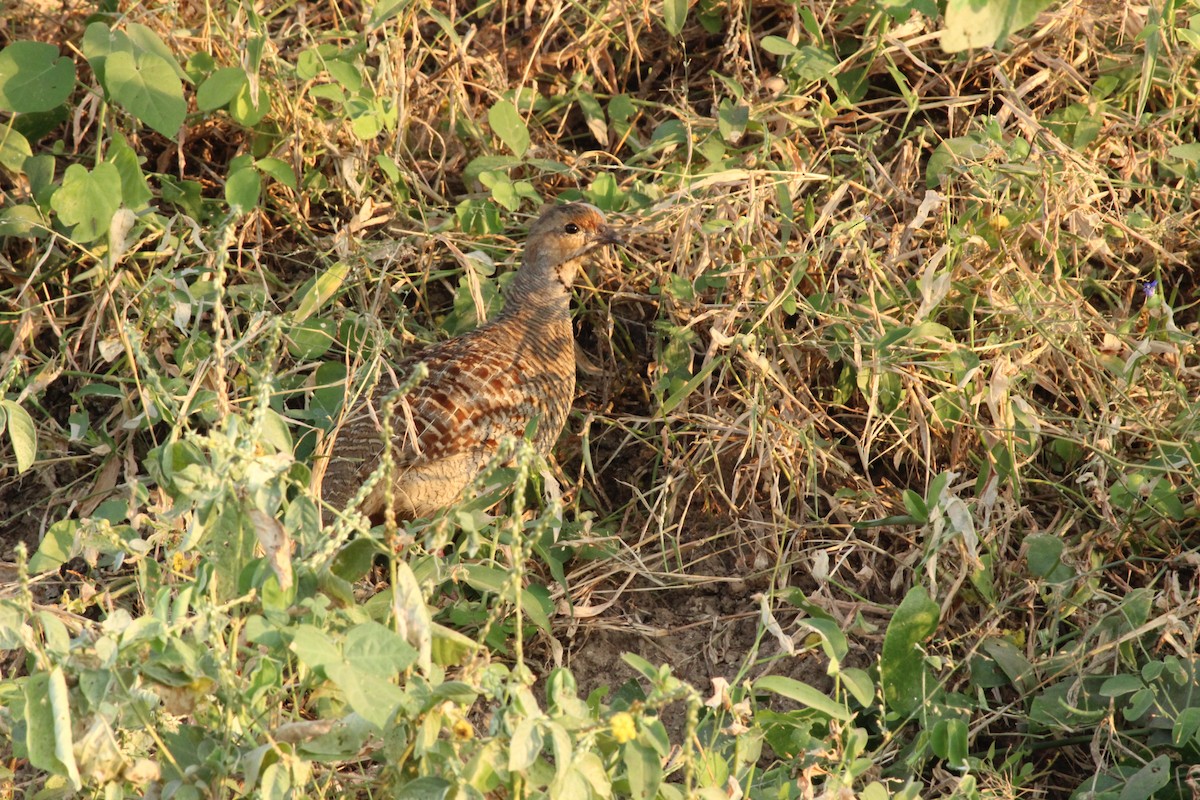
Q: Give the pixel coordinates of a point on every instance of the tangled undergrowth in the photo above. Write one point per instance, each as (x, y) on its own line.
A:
(881, 477)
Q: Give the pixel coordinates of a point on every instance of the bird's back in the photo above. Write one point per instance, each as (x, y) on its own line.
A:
(483, 386)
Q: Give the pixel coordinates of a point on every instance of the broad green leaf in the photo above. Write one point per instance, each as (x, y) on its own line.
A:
(674, 15)
(526, 745)
(314, 647)
(1186, 728)
(644, 769)
(149, 89)
(34, 78)
(804, 694)
(986, 23)
(907, 681)
(249, 107)
(427, 788)
(220, 88)
(449, 647)
(242, 190)
(145, 40)
(311, 339)
(777, 45)
(1043, 553)
(488, 579)
(48, 725)
(14, 149)
(732, 119)
(56, 548)
(1146, 781)
(278, 169)
(859, 684)
(1012, 662)
(506, 123)
(535, 602)
(949, 741)
(100, 42)
(377, 649)
(833, 639)
(21, 433)
(135, 191)
(1118, 685)
(86, 201)
(374, 698)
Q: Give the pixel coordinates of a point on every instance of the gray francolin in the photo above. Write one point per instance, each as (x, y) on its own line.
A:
(512, 374)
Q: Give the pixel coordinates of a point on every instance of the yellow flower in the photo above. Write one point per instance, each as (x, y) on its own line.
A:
(463, 731)
(623, 727)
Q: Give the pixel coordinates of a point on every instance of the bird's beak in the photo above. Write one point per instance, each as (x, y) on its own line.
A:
(609, 235)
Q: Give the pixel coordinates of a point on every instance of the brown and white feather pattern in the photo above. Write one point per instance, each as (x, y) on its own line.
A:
(487, 384)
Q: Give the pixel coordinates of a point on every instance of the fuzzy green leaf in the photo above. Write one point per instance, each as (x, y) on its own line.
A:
(149, 89)
(86, 201)
(506, 123)
(34, 78)
(21, 432)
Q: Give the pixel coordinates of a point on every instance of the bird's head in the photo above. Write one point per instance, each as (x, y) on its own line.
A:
(563, 235)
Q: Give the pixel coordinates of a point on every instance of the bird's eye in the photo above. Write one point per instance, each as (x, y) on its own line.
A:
(571, 228)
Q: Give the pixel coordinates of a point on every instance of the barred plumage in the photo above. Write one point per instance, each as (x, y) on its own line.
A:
(487, 384)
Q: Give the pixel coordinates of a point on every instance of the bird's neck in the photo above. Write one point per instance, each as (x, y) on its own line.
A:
(537, 292)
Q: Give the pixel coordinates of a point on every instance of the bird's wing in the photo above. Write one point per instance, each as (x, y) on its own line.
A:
(465, 404)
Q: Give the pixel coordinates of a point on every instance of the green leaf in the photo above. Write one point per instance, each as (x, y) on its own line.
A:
(1118, 685)
(374, 698)
(318, 291)
(249, 107)
(506, 123)
(149, 89)
(859, 684)
(21, 433)
(427, 788)
(56, 548)
(1043, 553)
(220, 88)
(14, 149)
(135, 191)
(985, 23)
(86, 201)
(1186, 728)
(949, 741)
(777, 45)
(34, 78)
(48, 725)
(22, 221)
(145, 40)
(1012, 663)
(242, 190)
(312, 646)
(526, 745)
(278, 169)
(674, 15)
(804, 694)
(644, 769)
(378, 650)
(1147, 780)
(907, 681)
(449, 647)
(732, 119)
(311, 339)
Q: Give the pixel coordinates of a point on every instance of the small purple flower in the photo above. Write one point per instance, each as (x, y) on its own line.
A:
(1149, 287)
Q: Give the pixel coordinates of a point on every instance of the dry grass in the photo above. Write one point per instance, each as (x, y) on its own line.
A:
(802, 330)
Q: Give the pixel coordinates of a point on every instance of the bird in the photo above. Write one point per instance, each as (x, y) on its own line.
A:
(511, 375)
